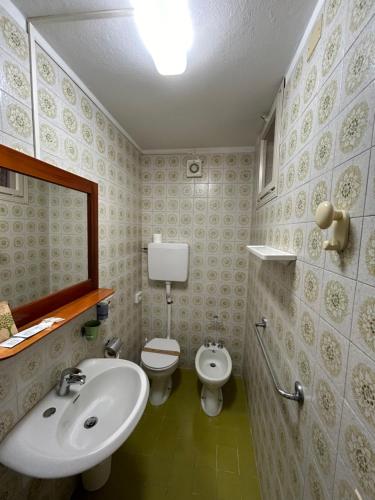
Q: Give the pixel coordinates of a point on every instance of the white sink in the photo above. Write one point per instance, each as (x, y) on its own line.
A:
(115, 392)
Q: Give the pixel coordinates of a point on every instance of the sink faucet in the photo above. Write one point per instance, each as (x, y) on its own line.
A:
(69, 376)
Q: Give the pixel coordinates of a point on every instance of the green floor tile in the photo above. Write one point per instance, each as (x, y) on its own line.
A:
(250, 487)
(229, 487)
(178, 452)
(227, 458)
(205, 482)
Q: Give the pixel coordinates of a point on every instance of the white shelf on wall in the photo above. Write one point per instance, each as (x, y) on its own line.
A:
(265, 252)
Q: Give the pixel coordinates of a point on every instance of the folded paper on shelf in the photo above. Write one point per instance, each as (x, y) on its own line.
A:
(43, 325)
(7, 325)
(12, 342)
(19, 337)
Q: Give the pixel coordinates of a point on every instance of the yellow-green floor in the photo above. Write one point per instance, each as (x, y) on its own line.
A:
(177, 452)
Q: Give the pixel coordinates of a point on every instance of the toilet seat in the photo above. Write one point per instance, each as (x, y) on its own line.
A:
(160, 361)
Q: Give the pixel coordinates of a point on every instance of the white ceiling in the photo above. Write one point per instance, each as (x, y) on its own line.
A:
(240, 52)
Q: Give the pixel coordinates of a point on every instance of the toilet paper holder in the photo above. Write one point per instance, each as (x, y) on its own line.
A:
(112, 348)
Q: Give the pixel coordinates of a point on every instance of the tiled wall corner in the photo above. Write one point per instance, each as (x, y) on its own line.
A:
(211, 213)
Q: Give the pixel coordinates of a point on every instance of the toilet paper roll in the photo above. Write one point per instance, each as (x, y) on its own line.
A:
(111, 355)
(112, 348)
(156, 238)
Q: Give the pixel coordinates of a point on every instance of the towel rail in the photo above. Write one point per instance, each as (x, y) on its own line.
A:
(298, 395)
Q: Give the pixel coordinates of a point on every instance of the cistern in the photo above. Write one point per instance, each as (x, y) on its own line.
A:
(167, 262)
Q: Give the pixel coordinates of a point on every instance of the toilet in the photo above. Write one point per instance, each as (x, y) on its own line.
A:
(213, 365)
(159, 359)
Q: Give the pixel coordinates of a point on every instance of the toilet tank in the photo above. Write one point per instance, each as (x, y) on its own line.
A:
(168, 261)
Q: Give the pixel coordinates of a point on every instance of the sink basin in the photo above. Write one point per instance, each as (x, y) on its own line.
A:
(60, 445)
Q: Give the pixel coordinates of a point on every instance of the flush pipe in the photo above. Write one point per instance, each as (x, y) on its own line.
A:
(168, 285)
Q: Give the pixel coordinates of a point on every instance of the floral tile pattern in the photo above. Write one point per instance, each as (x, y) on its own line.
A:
(326, 154)
(77, 136)
(332, 354)
(363, 325)
(337, 301)
(349, 185)
(357, 447)
(212, 214)
(370, 194)
(319, 314)
(359, 65)
(355, 125)
(360, 386)
(366, 271)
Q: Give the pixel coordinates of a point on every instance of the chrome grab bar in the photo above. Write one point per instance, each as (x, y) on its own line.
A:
(298, 395)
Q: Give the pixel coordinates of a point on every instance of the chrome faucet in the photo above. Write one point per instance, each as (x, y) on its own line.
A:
(68, 377)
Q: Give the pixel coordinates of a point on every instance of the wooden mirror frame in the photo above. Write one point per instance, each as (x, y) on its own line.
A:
(27, 165)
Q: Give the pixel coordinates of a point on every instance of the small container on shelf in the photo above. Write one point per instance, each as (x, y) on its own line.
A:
(90, 329)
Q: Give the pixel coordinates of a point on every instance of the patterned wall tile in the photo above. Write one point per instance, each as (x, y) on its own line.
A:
(357, 449)
(366, 270)
(363, 331)
(76, 136)
(212, 214)
(370, 194)
(337, 302)
(360, 386)
(327, 134)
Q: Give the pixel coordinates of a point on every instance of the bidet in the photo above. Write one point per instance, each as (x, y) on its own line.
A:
(213, 365)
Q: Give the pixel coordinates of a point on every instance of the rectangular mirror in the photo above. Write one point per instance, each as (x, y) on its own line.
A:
(48, 236)
(43, 240)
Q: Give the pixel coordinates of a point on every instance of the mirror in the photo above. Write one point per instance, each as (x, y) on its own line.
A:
(268, 148)
(43, 238)
(48, 236)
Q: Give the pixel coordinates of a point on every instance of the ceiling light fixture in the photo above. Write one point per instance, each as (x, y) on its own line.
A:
(166, 30)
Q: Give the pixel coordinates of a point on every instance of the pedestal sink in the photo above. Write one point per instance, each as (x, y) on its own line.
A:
(66, 435)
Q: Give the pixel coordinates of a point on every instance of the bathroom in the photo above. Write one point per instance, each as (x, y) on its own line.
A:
(205, 217)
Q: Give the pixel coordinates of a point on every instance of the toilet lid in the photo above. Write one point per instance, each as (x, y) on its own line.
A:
(158, 360)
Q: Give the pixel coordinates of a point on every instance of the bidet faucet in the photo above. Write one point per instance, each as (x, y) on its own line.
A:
(68, 377)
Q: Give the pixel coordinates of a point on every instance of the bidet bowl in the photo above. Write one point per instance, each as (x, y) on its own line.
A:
(213, 365)
(66, 442)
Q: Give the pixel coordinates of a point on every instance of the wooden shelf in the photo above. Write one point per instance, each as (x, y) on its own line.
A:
(68, 312)
(265, 252)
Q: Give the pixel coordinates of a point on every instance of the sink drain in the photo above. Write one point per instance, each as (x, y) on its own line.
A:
(213, 365)
(50, 411)
(90, 422)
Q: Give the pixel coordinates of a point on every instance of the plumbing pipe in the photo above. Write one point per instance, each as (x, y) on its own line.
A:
(169, 307)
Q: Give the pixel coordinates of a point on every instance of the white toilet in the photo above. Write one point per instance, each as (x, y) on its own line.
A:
(214, 366)
(159, 360)
(167, 262)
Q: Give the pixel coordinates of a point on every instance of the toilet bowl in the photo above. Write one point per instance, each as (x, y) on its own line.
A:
(213, 365)
(159, 359)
